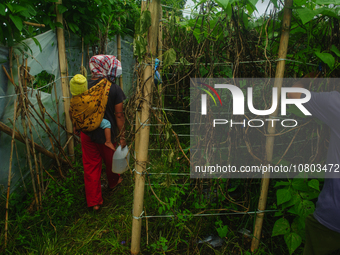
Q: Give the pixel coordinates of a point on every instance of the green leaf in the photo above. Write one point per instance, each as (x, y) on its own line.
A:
(326, 58)
(26, 14)
(281, 227)
(298, 226)
(274, 2)
(17, 21)
(296, 111)
(197, 33)
(145, 22)
(10, 7)
(326, 11)
(251, 6)
(74, 28)
(321, 2)
(305, 208)
(314, 184)
(300, 184)
(306, 14)
(293, 209)
(277, 184)
(139, 47)
(229, 11)
(184, 62)
(293, 241)
(223, 3)
(293, 201)
(62, 8)
(311, 194)
(58, 24)
(18, 8)
(31, 10)
(277, 214)
(37, 43)
(2, 10)
(283, 195)
(169, 57)
(335, 50)
(222, 231)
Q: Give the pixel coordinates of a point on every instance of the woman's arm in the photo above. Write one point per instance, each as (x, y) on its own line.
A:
(120, 119)
(302, 83)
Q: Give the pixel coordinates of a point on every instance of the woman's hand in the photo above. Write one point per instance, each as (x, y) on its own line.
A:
(122, 142)
(76, 132)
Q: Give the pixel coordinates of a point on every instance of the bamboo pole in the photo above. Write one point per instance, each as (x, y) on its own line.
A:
(10, 172)
(280, 69)
(144, 5)
(64, 80)
(160, 57)
(41, 172)
(24, 113)
(119, 56)
(57, 106)
(22, 177)
(142, 150)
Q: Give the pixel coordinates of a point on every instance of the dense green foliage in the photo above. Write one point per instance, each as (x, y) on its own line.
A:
(88, 19)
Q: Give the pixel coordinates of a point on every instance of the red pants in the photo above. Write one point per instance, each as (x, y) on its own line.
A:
(93, 154)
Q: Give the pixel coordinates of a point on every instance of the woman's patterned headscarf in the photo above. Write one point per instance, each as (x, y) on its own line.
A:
(105, 66)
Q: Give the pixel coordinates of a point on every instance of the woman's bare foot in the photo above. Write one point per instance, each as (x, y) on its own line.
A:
(97, 207)
(110, 145)
(119, 181)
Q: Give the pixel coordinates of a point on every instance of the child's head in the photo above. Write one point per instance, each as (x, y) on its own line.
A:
(78, 85)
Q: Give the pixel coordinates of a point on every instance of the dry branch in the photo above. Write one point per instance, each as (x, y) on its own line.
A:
(7, 130)
(34, 24)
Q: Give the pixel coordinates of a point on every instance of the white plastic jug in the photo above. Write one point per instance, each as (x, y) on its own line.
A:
(120, 159)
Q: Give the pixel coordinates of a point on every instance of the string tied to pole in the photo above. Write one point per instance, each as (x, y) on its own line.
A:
(134, 170)
(138, 218)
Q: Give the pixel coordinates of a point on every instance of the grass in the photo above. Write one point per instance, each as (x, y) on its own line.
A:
(67, 226)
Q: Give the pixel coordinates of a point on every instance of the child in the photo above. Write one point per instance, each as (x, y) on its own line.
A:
(78, 85)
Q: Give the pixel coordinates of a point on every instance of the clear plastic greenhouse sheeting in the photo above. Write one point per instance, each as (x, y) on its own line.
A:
(128, 61)
(3, 78)
(74, 53)
(46, 59)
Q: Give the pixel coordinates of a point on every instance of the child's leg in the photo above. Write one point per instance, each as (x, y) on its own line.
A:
(108, 142)
(106, 125)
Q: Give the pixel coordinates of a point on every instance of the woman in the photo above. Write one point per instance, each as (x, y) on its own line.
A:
(104, 69)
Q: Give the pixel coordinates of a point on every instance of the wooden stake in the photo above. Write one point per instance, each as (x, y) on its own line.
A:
(160, 35)
(142, 156)
(64, 80)
(143, 5)
(11, 63)
(10, 172)
(41, 172)
(160, 52)
(142, 150)
(57, 106)
(119, 56)
(280, 69)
